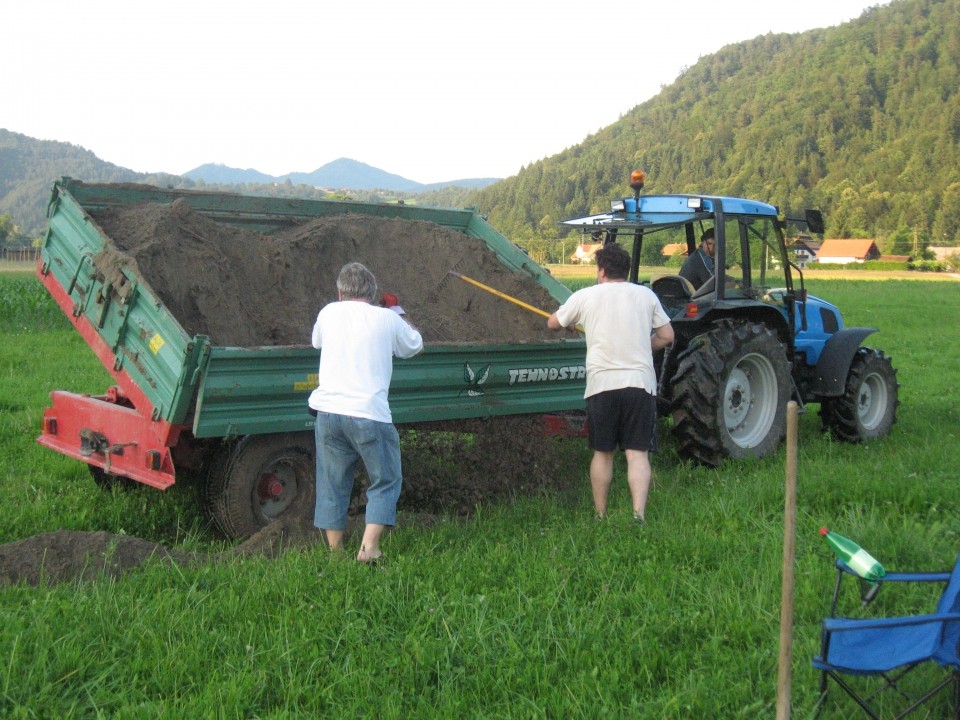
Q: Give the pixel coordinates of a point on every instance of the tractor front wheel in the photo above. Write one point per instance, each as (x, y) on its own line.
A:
(730, 393)
(868, 407)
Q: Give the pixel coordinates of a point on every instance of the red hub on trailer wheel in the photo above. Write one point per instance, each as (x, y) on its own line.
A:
(269, 487)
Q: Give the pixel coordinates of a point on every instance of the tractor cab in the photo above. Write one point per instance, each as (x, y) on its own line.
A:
(749, 250)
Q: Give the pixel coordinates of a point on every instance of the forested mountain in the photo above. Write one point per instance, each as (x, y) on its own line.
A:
(861, 120)
(28, 168)
(224, 174)
(346, 173)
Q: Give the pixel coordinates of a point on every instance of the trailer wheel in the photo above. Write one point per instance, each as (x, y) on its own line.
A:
(730, 393)
(868, 407)
(258, 480)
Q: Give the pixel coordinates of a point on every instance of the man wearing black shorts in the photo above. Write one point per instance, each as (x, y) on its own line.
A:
(624, 325)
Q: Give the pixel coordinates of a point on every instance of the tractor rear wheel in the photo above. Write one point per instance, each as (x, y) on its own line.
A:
(868, 407)
(258, 480)
(730, 392)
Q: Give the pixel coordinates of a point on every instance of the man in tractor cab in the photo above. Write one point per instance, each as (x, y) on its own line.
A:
(699, 267)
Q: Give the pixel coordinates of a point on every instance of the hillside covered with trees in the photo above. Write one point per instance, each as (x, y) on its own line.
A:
(861, 120)
(28, 168)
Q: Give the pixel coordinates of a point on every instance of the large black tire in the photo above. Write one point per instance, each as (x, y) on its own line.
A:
(258, 480)
(868, 407)
(730, 393)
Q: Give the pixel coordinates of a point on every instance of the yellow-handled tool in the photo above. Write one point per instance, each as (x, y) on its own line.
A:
(504, 296)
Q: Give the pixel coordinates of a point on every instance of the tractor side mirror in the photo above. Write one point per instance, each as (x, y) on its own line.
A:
(814, 220)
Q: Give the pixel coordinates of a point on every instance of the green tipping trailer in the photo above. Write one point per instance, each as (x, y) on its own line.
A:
(182, 404)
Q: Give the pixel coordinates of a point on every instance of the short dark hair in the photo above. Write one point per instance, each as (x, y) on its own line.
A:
(355, 282)
(707, 235)
(614, 261)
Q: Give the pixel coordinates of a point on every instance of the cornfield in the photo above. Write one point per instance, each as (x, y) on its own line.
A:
(25, 304)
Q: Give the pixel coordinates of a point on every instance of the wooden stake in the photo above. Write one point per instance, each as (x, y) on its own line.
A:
(789, 552)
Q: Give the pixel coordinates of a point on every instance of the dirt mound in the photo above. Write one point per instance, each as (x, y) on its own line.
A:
(72, 556)
(66, 555)
(243, 288)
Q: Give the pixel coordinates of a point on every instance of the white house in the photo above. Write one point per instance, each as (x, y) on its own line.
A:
(585, 252)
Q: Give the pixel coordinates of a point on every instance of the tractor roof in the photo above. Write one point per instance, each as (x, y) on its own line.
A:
(658, 210)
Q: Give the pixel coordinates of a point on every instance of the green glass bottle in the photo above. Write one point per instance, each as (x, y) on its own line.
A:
(854, 556)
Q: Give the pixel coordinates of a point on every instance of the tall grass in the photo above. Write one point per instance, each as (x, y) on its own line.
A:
(527, 610)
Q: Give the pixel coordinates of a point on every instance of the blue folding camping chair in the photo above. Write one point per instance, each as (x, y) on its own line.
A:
(887, 649)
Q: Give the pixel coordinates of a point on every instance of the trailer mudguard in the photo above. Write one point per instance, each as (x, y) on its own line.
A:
(831, 376)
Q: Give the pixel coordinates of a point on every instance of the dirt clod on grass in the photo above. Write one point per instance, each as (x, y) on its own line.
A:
(68, 555)
(246, 289)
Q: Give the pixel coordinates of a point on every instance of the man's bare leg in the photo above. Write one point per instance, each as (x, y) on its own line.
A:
(601, 476)
(639, 474)
(334, 539)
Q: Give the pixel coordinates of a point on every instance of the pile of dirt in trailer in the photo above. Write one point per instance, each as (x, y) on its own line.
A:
(243, 288)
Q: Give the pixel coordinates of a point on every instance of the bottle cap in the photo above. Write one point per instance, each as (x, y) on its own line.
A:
(824, 530)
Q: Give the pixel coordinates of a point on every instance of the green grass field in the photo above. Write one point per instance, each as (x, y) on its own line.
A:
(529, 610)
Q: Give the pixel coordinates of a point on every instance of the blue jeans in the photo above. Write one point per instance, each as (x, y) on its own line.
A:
(342, 442)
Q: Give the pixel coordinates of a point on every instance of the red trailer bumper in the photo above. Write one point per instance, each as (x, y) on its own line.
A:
(106, 431)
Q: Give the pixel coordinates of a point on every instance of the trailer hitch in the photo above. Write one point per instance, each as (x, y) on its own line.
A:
(93, 443)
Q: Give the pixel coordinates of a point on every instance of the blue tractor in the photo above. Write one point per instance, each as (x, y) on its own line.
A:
(751, 341)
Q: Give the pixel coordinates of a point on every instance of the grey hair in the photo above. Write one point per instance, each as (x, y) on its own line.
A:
(355, 282)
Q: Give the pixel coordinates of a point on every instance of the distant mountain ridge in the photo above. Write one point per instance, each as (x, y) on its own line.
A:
(28, 168)
(342, 173)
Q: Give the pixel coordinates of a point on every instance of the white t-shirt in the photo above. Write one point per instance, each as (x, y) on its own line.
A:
(358, 342)
(618, 319)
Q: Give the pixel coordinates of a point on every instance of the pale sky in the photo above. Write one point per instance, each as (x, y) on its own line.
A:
(431, 90)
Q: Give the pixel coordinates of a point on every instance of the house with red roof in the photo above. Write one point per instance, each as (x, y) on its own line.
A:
(844, 251)
(585, 252)
(671, 249)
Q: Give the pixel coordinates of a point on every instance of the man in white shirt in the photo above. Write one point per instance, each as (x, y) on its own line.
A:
(624, 325)
(358, 341)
